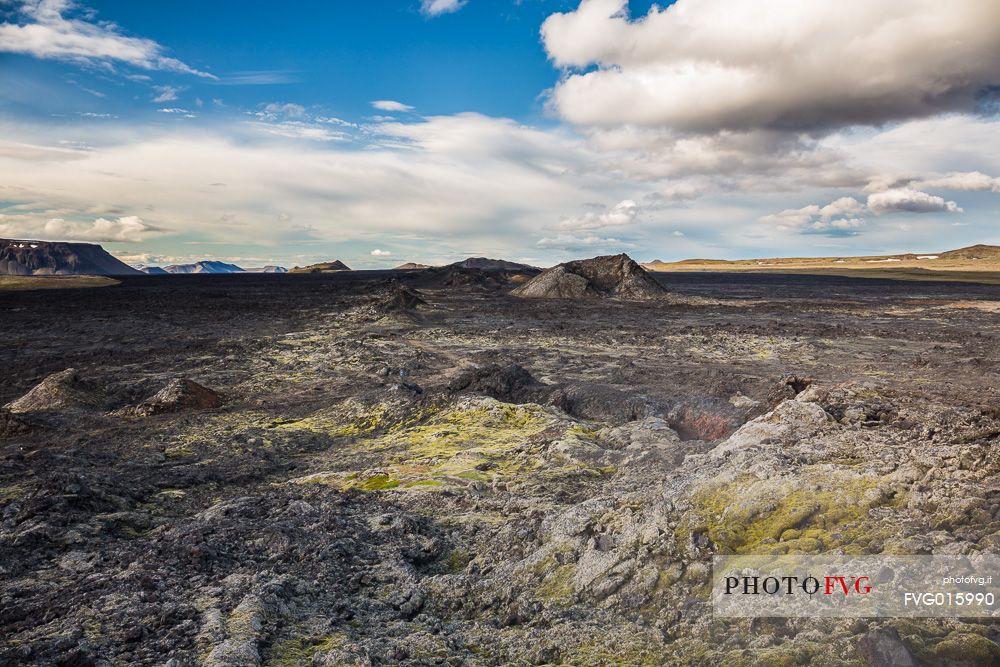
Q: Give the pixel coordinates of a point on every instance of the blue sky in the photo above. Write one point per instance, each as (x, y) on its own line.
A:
(429, 130)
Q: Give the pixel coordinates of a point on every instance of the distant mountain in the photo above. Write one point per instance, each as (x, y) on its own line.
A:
(322, 267)
(152, 270)
(412, 266)
(56, 258)
(486, 264)
(203, 267)
(270, 268)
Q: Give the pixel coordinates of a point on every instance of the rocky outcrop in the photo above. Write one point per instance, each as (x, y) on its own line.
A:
(43, 258)
(510, 383)
(611, 276)
(60, 391)
(179, 394)
(397, 299)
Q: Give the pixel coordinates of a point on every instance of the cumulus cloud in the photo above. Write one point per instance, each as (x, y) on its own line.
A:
(969, 181)
(622, 213)
(46, 32)
(907, 200)
(710, 65)
(438, 7)
(467, 176)
(380, 253)
(127, 229)
(847, 214)
(391, 105)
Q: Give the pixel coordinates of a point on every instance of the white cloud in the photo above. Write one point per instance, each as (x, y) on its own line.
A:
(710, 65)
(380, 253)
(277, 110)
(391, 105)
(165, 94)
(623, 213)
(846, 214)
(969, 181)
(591, 243)
(127, 229)
(907, 200)
(47, 33)
(438, 7)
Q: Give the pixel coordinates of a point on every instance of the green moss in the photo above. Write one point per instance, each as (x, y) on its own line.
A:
(301, 650)
(752, 516)
(967, 648)
(378, 483)
(633, 652)
(179, 451)
(457, 559)
(557, 587)
(13, 492)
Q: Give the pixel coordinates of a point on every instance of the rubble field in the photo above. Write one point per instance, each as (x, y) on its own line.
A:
(422, 468)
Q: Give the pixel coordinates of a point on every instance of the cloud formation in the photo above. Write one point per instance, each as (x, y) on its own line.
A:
(391, 105)
(908, 200)
(622, 213)
(380, 253)
(46, 32)
(127, 229)
(438, 7)
(712, 65)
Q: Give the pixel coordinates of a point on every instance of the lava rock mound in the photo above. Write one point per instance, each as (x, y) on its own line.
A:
(609, 276)
(179, 394)
(397, 299)
(60, 391)
(509, 383)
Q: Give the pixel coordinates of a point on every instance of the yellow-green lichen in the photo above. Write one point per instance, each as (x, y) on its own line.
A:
(300, 651)
(822, 510)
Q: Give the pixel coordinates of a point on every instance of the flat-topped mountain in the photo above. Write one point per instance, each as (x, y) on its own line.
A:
(57, 258)
(204, 267)
(322, 267)
(614, 276)
(977, 263)
(412, 266)
(270, 268)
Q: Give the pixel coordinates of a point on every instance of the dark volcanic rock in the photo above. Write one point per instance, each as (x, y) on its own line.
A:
(59, 391)
(397, 299)
(615, 276)
(11, 425)
(510, 383)
(43, 258)
(487, 264)
(180, 394)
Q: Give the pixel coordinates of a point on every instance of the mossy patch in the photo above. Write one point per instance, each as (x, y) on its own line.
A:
(298, 651)
(823, 509)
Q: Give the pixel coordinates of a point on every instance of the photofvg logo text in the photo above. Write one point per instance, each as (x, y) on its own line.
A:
(788, 585)
(861, 586)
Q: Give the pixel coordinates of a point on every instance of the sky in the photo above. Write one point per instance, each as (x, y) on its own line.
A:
(384, 132)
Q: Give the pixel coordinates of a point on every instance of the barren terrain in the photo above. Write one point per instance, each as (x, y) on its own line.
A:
(453, 475)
